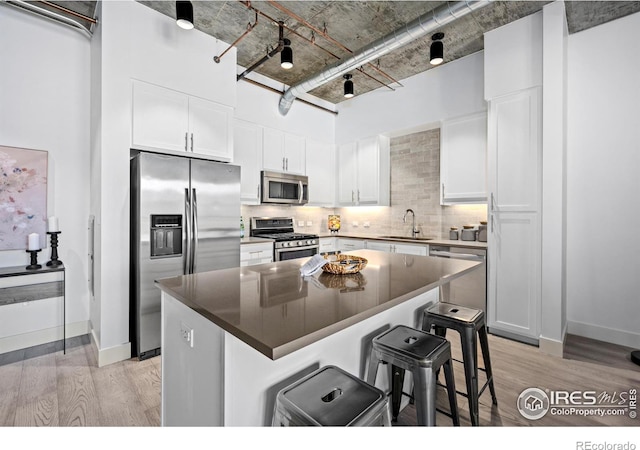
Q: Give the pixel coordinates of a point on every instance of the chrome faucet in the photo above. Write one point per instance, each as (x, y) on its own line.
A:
(414, 230)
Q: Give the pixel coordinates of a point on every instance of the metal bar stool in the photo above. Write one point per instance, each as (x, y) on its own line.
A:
(423, 354)
(467, 322)
(331, 397)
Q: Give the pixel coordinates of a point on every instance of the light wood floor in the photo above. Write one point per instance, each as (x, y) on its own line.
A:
(44, 387)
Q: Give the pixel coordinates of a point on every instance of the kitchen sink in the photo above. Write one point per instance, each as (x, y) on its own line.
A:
(407, 238)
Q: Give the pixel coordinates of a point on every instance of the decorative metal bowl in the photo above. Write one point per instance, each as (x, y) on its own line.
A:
(344, 264)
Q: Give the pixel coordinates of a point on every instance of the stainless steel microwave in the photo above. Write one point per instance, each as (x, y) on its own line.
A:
(284, 188)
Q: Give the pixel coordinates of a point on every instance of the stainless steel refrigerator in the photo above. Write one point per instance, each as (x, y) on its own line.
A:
(185, 218)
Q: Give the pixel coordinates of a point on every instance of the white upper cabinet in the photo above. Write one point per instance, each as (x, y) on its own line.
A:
(247, 152)
(165, 120)
(364, 172)
(283, 152)
(515, 141)
(321, 170)
(347, 172)
(463, 160)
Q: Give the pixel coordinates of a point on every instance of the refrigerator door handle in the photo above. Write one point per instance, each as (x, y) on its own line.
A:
(187, 215)
(194, 234)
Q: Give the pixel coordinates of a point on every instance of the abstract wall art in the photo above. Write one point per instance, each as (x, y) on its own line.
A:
(23, 196)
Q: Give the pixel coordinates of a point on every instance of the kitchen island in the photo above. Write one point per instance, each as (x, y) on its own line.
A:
(231, 339)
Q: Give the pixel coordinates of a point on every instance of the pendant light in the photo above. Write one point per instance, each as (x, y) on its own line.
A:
(184, 14)
(437, 49)
(286, 55)
(348, 85)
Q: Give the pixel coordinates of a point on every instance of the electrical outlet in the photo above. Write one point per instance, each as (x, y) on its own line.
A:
(366, 224)
(309, 223)
(186, 333)
(355, 224)
(301, 223)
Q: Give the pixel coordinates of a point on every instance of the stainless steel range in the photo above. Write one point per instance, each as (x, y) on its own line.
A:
(288, 244)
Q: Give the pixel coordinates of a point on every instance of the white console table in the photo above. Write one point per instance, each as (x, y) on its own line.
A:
(17, 285)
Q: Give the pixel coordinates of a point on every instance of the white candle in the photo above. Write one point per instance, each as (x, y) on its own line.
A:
(53, 224)
(34, 242)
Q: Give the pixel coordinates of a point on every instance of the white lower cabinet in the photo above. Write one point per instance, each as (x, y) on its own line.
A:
(394, 247)
(256, 253)
(345, 244)
(328, 245)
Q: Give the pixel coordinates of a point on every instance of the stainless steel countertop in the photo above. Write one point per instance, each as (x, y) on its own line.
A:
(274, 310)
(453, 243)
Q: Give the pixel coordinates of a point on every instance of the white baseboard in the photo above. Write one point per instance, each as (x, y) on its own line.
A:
(611, 335)
(553, 347)
(39, 337)
(106, 356)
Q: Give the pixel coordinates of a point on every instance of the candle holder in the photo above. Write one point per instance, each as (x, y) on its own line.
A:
(55, 262)
(34, 260)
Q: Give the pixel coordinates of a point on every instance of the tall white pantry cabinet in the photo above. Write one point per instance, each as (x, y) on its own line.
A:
(514, 152)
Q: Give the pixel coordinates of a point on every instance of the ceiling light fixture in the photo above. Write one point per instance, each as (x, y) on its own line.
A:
(437, 49)
(286, 56)
(348, 85)
(184, 14)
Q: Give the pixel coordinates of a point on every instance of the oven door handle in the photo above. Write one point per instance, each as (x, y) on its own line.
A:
(294, 249)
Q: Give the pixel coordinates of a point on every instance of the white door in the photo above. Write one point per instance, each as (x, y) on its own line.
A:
(321, 170)
(515, 139)
(514, 275)
(347, 173)
(463, 159)
(367, 191)
(160, 118)
(294, 154)
(273, 150)
(247, 153)
(210, 127)
(514, 253)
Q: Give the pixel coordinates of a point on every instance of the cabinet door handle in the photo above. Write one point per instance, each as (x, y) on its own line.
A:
(492, 202)
(492, 223)
(358, 195)
(191, 142)
(443, 196)
(283, 163)
(287, 160)
(353, 200)
(258, 191)
(186, 142)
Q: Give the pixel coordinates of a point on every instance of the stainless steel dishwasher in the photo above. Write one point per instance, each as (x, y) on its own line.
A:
(471, 289)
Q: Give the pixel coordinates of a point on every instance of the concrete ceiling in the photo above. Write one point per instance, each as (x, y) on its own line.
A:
(355, 24)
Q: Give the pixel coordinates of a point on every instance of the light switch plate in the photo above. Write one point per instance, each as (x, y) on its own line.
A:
(301, 223)
(309, 223)
(186, 332)
(366, 224)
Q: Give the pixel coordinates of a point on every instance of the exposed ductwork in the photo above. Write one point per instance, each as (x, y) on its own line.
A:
(53, 16)
(423, 25)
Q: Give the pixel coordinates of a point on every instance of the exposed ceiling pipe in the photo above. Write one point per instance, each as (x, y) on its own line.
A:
(269, 55)
(51, 15)
(423, 25)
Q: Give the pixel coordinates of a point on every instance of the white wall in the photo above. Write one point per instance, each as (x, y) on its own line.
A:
(451, 90)
(260, 106)
(553, 299)
(135, 43)
(44, 105)
(603, 183)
